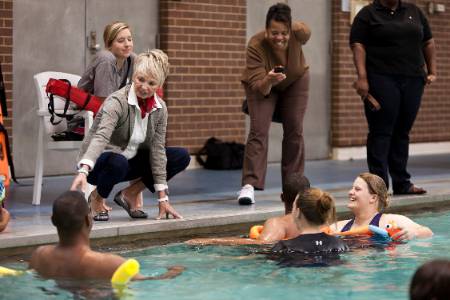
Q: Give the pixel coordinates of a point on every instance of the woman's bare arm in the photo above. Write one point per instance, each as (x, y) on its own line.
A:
(361, 85)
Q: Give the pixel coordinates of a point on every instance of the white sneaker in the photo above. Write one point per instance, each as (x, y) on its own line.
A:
(247, 195)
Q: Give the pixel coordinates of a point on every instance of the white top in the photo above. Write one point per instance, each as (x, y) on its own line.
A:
(138, 135)
(140, 127)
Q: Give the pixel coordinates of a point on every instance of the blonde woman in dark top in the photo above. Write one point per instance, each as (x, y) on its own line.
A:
(276, 74)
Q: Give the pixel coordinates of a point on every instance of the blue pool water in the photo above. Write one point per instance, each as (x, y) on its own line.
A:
(217, 272)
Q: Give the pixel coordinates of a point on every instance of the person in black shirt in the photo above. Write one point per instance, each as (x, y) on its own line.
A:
(313, 210)
(391, 43)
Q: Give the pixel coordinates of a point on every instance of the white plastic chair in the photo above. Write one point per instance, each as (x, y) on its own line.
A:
(40, 81)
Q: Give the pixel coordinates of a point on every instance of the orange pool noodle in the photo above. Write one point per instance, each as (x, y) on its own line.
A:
(363, 230)
(255, 231)
(4, 162)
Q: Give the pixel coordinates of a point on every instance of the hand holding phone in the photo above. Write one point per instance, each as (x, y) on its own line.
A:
(279, 69)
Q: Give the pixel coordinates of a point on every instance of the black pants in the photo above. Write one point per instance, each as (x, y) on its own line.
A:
(388, 137)
(112, 168)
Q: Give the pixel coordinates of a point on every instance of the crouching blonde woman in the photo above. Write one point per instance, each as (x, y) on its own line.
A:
(127, 142)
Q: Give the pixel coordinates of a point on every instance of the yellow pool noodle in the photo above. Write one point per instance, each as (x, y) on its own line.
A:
(9, 272)
(124, 273)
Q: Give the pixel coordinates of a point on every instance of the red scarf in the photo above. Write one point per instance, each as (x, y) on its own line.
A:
(146, 105)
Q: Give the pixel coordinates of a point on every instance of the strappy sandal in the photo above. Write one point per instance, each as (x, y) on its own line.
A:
(98, 216)
(101, 216)
(67, 136)
(135, 214)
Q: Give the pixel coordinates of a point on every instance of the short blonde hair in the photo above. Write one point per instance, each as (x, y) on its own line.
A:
(377, 187)
(153, 62)
(111, 31)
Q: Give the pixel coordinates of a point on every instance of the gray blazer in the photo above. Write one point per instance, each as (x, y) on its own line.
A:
(112, 129)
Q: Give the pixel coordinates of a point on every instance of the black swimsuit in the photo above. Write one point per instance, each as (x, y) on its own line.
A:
(375, 221)
(318, 249)
(311, 243)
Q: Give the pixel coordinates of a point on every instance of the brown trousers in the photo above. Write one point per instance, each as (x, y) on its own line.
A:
(293, 101)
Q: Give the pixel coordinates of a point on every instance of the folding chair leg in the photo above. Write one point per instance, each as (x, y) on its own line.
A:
(37, 188)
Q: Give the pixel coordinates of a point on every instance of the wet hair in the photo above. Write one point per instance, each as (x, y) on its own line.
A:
(111, 31)
(294, 184)
(153, 62)
(431, 281)
(69, 212)
(316, 206)
(279, 12)
(377, 187)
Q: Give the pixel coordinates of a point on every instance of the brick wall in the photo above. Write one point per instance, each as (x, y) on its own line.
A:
(349, 126)
(6, 57)
(205, 41)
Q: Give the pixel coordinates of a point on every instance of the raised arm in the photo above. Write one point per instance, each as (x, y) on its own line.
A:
(301, 32)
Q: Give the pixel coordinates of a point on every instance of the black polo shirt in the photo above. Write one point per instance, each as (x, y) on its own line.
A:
(393, 39)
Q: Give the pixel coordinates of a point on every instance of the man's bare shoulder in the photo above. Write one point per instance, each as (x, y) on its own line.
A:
(283, 221)
(279, 228)
(41, 255)
(287, 218)
(277, 221)
(272, 221)
(101, 265)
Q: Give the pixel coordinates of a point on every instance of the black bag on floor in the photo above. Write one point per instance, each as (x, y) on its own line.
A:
(221, 155)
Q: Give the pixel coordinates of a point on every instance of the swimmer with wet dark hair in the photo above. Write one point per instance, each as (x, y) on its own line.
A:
(431, 281)
(73, 257)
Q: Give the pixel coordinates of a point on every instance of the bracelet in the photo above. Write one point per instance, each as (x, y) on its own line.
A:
(83, 171)
(164, 199)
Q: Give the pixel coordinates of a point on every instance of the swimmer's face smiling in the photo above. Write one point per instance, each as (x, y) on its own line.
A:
(359, 195)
